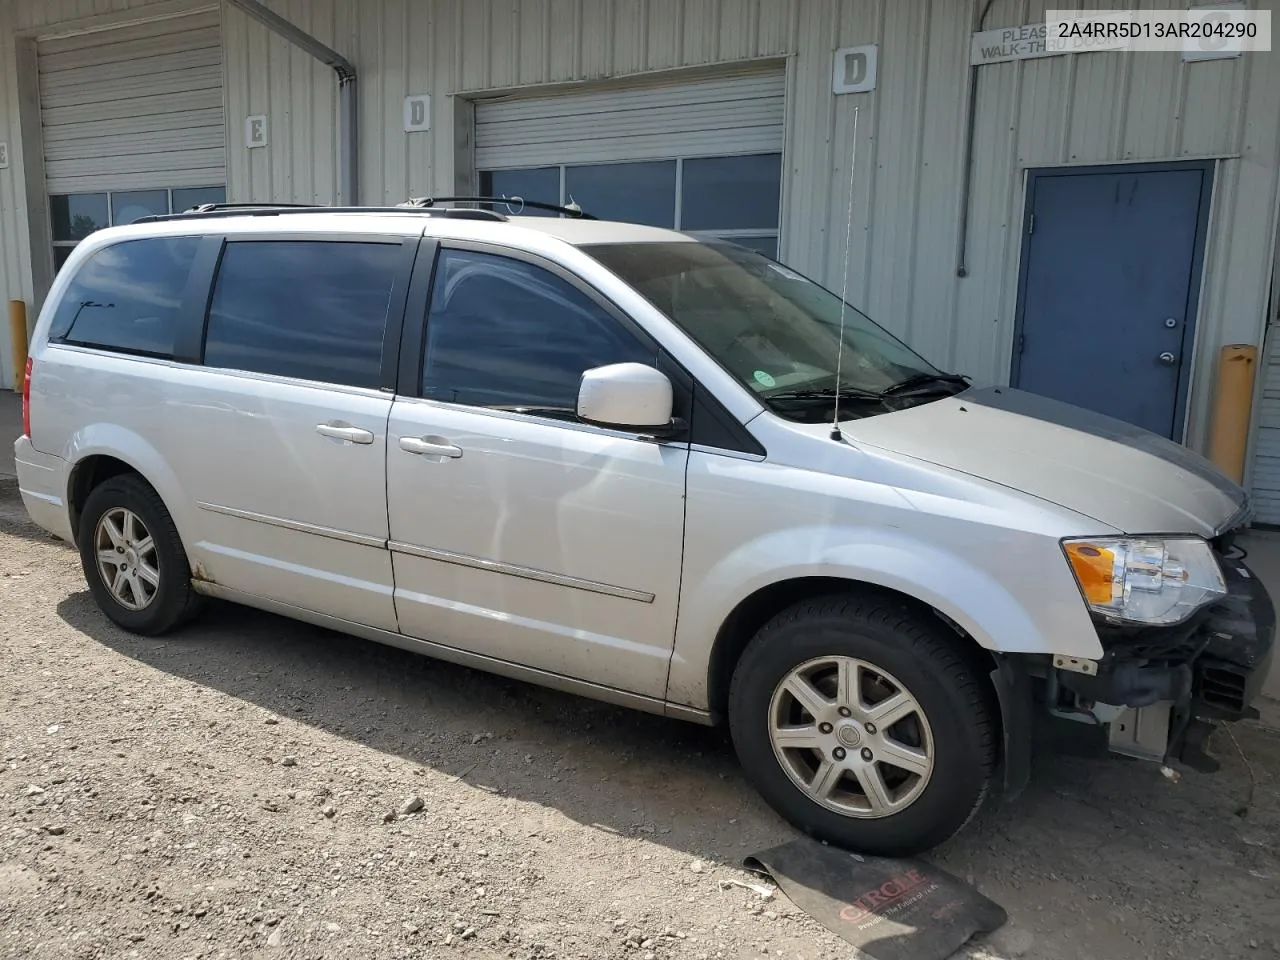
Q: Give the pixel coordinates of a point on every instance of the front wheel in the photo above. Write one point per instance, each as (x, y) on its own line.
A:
(860, 721)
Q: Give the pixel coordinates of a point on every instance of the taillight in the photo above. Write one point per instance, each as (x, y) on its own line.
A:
(26, 399)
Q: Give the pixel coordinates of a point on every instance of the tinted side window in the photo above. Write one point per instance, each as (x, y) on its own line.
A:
(126, 297)
(311, 309)
(505, 333)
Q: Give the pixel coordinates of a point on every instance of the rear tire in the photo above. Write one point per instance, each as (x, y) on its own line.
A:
(133, 558)
(803, 703)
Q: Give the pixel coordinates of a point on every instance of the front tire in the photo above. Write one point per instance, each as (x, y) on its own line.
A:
(861, 722)
(133, 558)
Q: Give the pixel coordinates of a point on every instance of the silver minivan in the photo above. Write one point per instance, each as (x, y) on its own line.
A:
(651, 468)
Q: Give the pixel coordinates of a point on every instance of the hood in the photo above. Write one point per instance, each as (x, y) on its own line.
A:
(1106, 469)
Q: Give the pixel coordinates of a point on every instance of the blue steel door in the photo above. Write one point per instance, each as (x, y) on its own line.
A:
(1109, 283)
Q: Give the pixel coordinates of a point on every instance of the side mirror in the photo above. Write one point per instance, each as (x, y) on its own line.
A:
(631, 396)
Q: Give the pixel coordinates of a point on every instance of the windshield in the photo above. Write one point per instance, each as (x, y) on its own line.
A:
(776, 331)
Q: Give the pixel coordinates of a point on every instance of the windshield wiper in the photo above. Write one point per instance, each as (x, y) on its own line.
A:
(825, 394)
(919, 380)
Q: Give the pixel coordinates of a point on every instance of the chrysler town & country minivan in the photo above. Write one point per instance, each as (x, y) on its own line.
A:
(652, 468)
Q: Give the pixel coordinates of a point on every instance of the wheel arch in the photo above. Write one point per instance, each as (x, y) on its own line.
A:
(1006, 676)
(757, 609)
(87, 474)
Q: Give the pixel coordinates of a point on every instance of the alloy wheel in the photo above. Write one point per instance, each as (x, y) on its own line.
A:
(851, 736)
(127, 560)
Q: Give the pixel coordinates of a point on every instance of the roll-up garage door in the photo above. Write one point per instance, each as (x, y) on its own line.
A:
(132, 123)
(743, 113)
(703, 155)
(134, 107)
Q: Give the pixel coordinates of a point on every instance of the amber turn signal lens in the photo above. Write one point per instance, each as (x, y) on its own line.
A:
(1095, 569)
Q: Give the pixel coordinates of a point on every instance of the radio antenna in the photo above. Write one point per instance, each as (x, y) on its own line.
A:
(844, 286)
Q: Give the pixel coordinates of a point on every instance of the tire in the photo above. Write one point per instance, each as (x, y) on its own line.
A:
(890, 648)
(142, 607)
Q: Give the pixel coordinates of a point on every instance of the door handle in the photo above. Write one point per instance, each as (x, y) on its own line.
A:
(1167, 358)
(344, 431)
(435, 447)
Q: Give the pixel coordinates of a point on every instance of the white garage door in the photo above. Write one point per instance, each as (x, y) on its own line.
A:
(703, 156)
(132, 123)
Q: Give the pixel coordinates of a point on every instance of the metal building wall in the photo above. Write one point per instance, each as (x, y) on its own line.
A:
(1093, 108)
(20, 19)
(1114, 107)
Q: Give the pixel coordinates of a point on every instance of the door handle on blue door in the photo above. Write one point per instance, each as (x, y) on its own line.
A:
(430, 447)
(339, 430)
(1167, 358)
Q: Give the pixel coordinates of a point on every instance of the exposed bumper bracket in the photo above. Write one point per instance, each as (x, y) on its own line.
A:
(1013, 692)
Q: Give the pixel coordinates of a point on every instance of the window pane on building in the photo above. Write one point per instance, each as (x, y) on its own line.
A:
(126, 296)
(75, 216)
(632, 192)
(731, 193)
(131, 206)
(505, 333)
(187, 197)
(536, 183)
(309, 309)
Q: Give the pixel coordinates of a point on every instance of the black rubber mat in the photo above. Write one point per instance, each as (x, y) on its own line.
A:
(888, 909)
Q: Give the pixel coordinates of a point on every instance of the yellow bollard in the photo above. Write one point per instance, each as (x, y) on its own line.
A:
(18, 337)
(1232, 403)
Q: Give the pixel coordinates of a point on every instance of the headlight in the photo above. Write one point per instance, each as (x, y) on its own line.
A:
(1146, 581)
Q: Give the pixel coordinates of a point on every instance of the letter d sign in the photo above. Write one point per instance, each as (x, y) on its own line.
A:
(417, 113)
(854, 70)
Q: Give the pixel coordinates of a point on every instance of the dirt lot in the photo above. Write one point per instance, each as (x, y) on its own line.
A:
(226, 793)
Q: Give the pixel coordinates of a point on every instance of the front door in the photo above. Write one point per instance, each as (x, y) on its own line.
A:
(518, 532)
(1110, 278)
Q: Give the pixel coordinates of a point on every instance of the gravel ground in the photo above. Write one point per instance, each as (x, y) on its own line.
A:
(235, 791)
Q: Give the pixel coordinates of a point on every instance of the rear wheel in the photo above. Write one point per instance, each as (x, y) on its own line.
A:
(861, 722)
(133, 558)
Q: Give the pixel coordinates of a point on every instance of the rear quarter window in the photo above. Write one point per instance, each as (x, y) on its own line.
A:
(126, 297)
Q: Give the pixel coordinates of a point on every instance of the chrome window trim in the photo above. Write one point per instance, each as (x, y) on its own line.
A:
(575, 425)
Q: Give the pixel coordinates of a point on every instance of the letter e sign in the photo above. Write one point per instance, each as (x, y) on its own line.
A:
(854, 70)
(255, 130)
(417, 113)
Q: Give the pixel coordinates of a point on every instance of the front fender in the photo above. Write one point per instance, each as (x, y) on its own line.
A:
(1013, 594)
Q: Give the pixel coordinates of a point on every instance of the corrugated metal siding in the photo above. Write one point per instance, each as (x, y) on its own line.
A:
(267, 75)
(134, 107)
(735, 114)
(15, 252)
(1266, 447)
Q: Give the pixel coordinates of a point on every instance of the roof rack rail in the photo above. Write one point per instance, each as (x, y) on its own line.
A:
(210, 207)
(515, 205)
(207, 210)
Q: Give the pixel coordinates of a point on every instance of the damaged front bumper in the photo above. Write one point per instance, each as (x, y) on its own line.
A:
(1158, 690)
